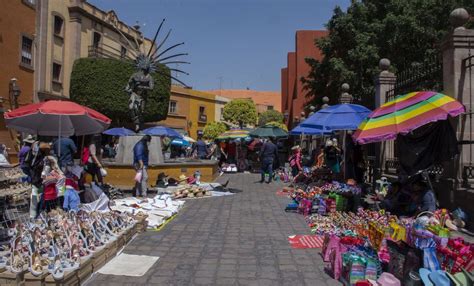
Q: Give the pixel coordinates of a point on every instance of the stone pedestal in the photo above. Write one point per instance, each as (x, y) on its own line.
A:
(384, 82)
(457, 80)
(125, 150)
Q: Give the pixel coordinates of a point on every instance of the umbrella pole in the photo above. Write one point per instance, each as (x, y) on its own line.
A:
(59, 138)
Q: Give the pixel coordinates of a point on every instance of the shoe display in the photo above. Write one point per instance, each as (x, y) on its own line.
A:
(56, 242)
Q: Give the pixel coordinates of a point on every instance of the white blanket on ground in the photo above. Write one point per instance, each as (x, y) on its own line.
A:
(129, 265)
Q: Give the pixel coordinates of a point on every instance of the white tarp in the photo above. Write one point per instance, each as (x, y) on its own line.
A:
(129, 265)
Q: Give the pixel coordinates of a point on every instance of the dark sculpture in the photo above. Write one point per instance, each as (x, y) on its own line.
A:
(142, 81)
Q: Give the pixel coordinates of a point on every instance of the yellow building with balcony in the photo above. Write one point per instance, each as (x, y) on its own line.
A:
(190, 110)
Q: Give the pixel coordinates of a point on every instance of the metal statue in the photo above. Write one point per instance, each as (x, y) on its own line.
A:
(147, 63)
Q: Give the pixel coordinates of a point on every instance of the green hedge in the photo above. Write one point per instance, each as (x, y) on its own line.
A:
(100, 84)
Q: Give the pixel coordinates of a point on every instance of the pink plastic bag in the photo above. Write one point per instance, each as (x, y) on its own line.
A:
(138, 176)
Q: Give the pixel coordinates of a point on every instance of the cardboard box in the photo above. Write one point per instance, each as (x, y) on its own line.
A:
(99, 259)
(31, 280)
(85, 271)
(70, 279)
(10, 278)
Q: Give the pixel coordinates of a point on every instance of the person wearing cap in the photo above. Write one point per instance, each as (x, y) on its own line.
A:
(140, 161)
(24, 151)
(333, 156)
(268, 155)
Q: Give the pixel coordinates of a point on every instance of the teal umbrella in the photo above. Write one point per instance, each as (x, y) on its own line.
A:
(268, 131)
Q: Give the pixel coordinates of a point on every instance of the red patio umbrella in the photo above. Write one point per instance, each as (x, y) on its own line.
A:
(56, 118)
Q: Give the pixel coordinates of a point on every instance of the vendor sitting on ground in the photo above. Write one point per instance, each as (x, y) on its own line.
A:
(396, 200)
(423, 197)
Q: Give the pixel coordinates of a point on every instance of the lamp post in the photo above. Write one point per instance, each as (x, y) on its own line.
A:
(14, 92)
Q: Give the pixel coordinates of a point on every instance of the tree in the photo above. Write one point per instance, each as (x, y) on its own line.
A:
(407, 32)
(278, 124)
(240, 111)
(269, 116)
(213, 129)
(100, 83)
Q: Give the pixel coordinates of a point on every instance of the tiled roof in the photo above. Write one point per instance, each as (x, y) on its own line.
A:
(259, 97)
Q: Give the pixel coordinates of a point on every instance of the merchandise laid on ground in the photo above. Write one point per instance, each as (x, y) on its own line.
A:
(65, 247)
(374, 247)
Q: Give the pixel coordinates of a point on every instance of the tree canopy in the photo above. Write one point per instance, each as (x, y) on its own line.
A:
(407, 32)
(213, 129)
(100, 83)
(278, 124)
(269, 116)
(240, 111)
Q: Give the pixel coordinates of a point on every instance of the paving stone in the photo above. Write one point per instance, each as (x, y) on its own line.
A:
(232, 240)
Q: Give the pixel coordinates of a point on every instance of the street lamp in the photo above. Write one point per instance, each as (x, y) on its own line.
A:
(14, 92)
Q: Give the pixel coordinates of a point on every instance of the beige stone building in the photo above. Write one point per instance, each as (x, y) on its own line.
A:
(73, 29)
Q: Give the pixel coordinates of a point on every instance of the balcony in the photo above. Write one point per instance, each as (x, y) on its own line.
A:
(202, 118)
(104, 51)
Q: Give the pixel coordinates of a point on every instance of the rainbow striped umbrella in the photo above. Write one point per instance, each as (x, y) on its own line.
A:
(406, 113)
(233, 134)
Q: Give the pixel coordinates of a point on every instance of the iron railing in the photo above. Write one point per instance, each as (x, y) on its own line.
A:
(105, 51)
(468, 168)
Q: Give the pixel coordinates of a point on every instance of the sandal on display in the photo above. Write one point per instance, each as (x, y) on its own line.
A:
(36, 267)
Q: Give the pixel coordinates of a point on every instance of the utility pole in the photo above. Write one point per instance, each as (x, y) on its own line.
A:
(221, 79)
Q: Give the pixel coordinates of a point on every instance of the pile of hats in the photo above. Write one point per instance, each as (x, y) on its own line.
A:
(190, 191)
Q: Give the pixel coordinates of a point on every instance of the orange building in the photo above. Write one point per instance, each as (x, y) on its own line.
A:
(294, 97)
(17, 59)
(265, 100)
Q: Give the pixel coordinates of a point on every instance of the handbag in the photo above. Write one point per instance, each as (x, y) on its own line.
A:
(353, 268)
(330, 242)
(398, 252)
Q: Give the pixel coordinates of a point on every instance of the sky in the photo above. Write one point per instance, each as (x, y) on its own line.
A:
(233, 44)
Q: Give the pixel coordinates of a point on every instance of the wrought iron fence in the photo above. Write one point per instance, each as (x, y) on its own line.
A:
(468, 167)
(426, 76)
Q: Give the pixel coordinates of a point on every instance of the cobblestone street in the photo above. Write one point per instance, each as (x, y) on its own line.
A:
(233, 240)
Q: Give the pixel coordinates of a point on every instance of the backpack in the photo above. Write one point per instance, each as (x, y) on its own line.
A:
(85, 155)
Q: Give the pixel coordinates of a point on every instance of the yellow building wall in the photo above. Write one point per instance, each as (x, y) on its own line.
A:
(195, 99)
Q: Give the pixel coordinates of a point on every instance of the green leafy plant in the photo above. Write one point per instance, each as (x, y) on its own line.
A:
(213, 129)
(100, 83)
(240, 111)
(277, 124)
(407, 32)
(269, 116)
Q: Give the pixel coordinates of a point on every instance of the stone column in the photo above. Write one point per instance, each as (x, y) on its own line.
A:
(384, 82)
(458, 81)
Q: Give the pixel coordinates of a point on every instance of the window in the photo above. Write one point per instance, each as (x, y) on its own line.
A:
(270, 107)
(202, 110)
(57, 72)
(173, 107)
(123, 53)
(58, 26)
(96, 40)
(26, 51)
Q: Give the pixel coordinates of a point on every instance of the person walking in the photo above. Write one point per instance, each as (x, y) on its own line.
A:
(93, 164)
(201, 148)
(64, 148)
(268, 155)
(295, 161)
(140, 162)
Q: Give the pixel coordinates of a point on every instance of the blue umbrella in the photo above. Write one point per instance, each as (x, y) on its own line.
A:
(180, 142)
(337, 117)
(300, 130)
(162, 131)
(119, 132)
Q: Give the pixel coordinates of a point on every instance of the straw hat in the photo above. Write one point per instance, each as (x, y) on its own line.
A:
(296, 147)
(29, 139)
(182, 178)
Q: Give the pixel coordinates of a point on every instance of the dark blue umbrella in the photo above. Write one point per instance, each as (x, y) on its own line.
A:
(337, 117)
(162, 131)
(119, 132)
(300, 130)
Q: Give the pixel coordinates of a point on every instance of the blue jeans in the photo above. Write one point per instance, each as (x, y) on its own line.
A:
(267, 167)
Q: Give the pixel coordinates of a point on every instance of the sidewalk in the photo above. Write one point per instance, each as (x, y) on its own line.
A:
(233, 240)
